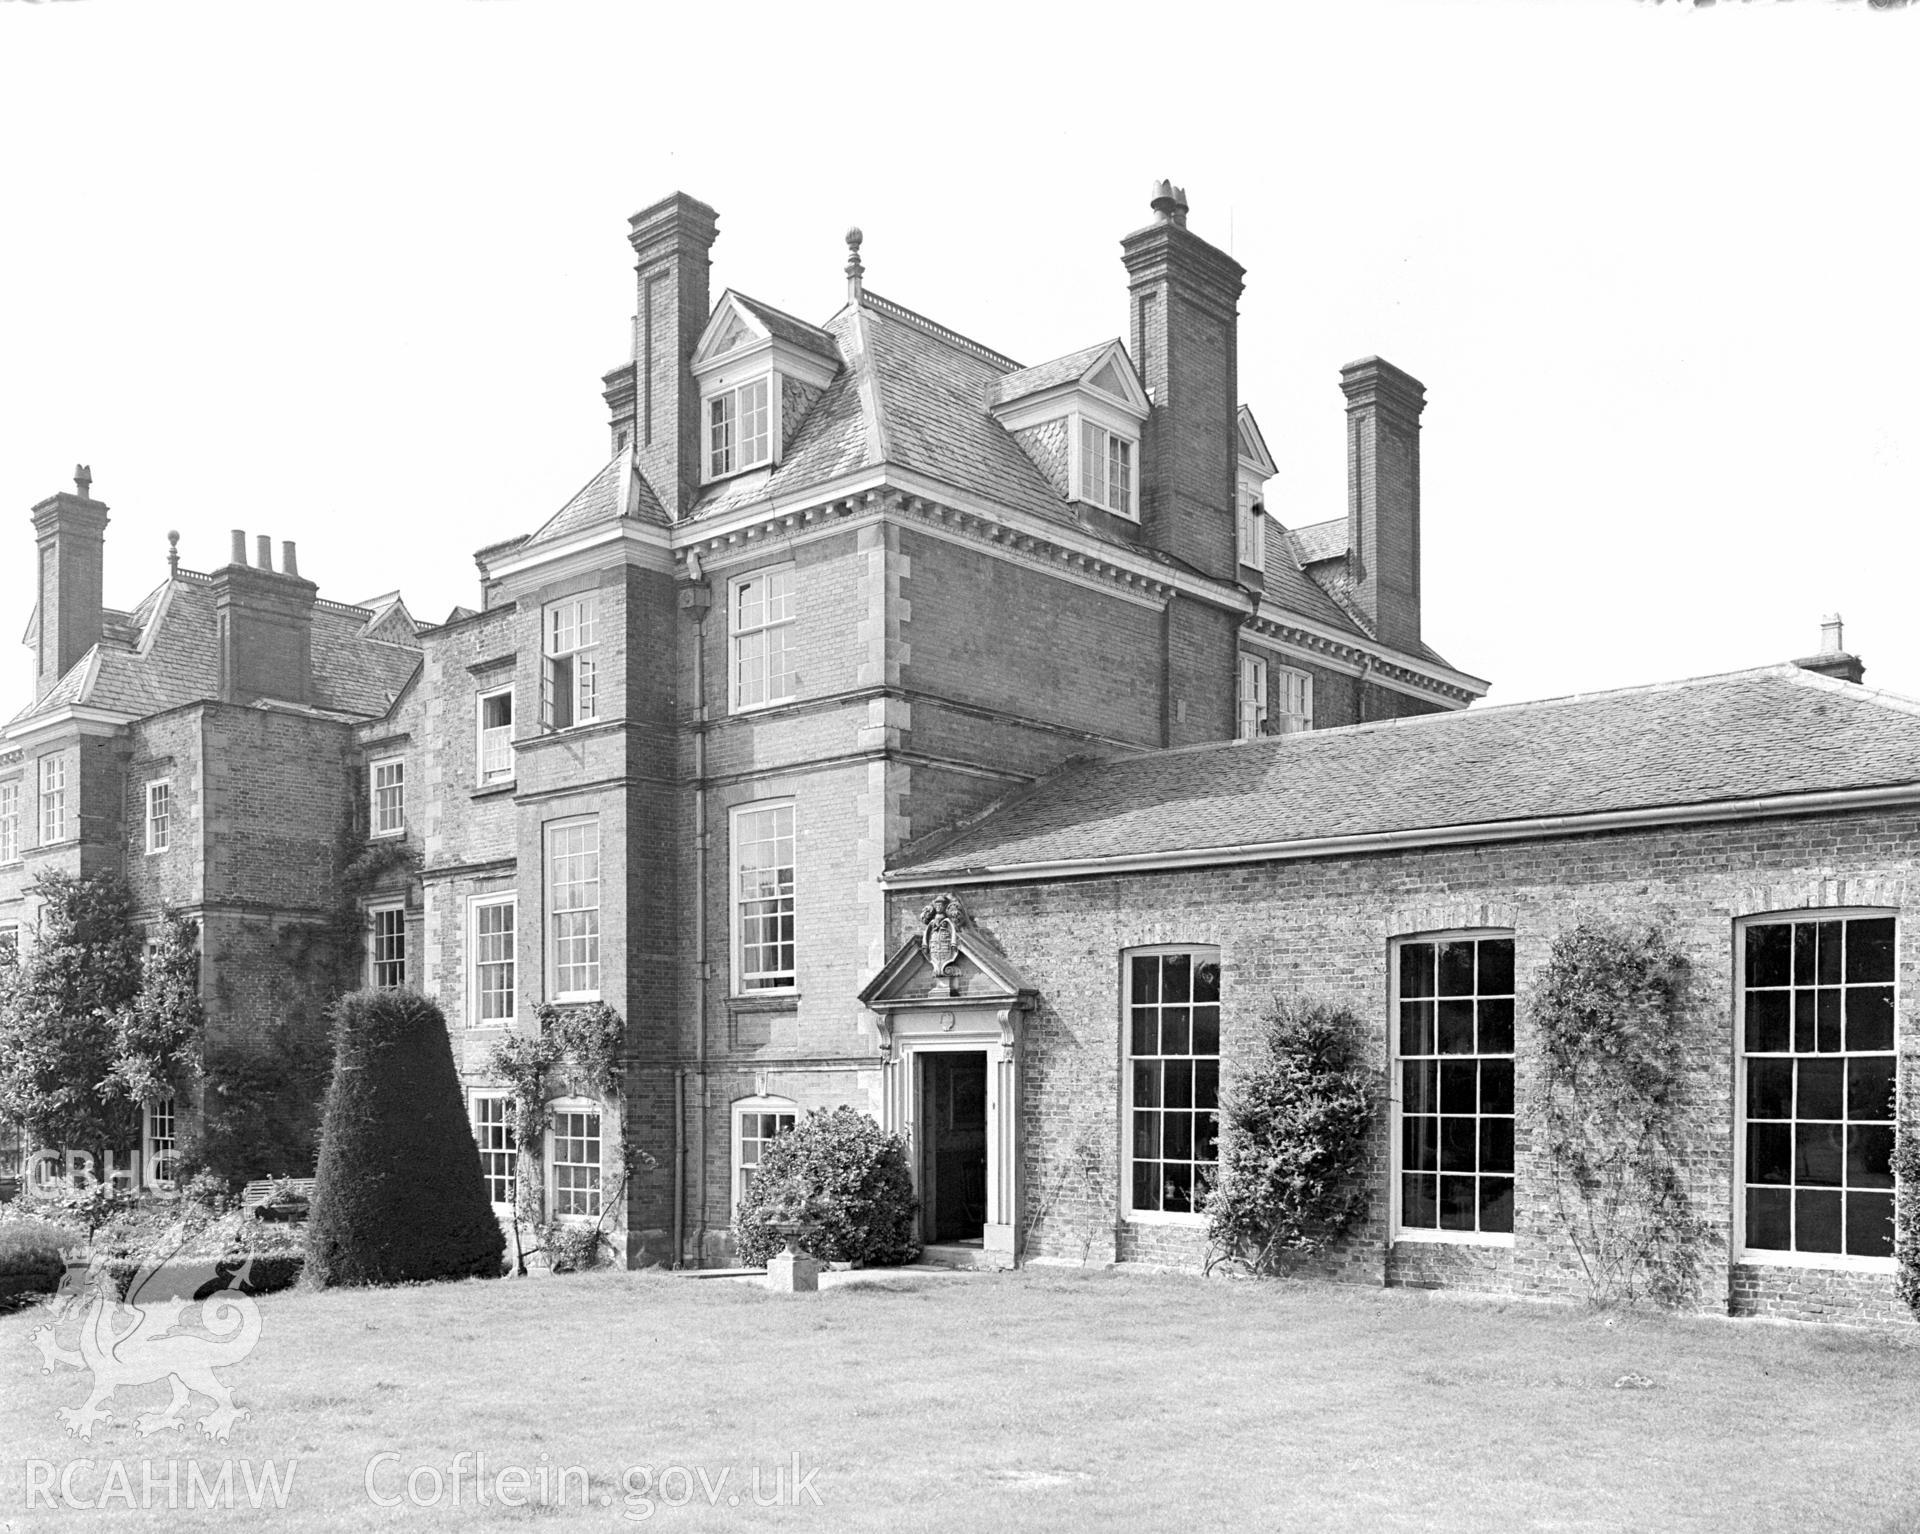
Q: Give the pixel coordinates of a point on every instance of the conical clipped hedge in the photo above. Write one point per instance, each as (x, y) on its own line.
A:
(399, 1194)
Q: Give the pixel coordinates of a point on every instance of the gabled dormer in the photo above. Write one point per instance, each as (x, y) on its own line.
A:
(1080, 418)
(1255, 468)
(759, 372)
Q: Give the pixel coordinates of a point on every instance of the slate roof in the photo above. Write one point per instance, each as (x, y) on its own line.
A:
(910, 395)
(180, 663)
(913, 395)
(600, 500)
(1044, 375)
(1289, 586)
(785, 327)
(1778, 731)
(1319, 540)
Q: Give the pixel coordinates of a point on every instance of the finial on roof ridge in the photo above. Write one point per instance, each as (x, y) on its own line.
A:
(855, 271)
(173, 554)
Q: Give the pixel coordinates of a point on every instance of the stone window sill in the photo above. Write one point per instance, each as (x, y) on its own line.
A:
(782, 1001)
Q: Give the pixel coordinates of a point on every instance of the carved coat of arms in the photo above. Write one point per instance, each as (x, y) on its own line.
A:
(940, 925)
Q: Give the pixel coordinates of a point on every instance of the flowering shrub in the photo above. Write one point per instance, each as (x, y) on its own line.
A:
(842, 1172)
(1298, 1118)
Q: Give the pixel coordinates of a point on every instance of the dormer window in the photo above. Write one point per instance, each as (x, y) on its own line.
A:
(759, 371)
(1106, 469)
(739, 428)
(1253, 525)
(1255, 469)
(1079, 418)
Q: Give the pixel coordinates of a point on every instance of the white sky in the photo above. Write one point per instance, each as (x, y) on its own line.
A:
(350, 273)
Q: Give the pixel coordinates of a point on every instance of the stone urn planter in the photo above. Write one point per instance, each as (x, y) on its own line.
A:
(793, 1271)
(794, 1232)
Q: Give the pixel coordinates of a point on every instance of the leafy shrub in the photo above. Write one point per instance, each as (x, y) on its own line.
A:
(59, 1051)
(96, 1205)
(399, 1196)
(32, 1249)
(845, 1172)
(1611, 1008)
(572, 1248)
(260, 1108)
(207, 1194)
(1298, 1118)
(269, 1273)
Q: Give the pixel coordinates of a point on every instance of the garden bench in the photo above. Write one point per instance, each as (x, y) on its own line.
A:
(257, 1197)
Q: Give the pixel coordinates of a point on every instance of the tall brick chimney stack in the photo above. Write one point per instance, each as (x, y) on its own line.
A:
(70, 530)
(655, 402)
(1383, 496)
(1185, 298)
(264, 619)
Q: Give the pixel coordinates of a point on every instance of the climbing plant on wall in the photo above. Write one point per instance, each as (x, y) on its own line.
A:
(1906, 1203)
(1612, 1009)
(575, 1053)
(266, 1081)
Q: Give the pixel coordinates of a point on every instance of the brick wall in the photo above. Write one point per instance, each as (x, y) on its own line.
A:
(1325, 927)
(165, 746)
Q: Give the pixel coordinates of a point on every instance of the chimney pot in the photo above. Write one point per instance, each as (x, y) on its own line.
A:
(265, 546)
(239, 546)
(1165, 203)
(1832, 635)
(288, 564)
(83, 480)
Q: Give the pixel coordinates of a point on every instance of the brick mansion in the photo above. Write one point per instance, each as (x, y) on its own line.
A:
(888, 722)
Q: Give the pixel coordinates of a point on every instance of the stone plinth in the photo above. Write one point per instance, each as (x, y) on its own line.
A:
(793, 1273)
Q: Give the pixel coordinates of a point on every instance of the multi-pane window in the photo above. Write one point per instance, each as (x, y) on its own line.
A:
(1817, 1050)
(572, 683)
(760, 625)
(756, 1125)
(1253, 527)
(493, 977)
(159, 816)
(1106, 469)
(739, 428)
(389, 791)
(1173, 1079)
(573, 899)
(763, 896)
(10, 822)
(1296, 701)
(493, 1133)
(387, 948)
(1253, 697)
(574, 1143)
(496, 736)
(53, 800)
(160, 1142)
(1454, 1055)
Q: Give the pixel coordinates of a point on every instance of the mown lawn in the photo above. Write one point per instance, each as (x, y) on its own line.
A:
(1037, 1400)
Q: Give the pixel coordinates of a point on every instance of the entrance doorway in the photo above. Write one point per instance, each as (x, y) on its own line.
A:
(953, 1145)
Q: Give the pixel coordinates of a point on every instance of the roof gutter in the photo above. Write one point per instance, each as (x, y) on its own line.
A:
(1712, 812)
